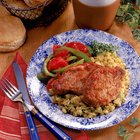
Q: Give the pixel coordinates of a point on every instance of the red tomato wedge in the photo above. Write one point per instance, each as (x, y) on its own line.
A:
(63, 53)
(55, 47)
(77, 45)
(57, 62)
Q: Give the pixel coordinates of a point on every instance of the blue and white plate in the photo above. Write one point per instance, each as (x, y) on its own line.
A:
(43, 102)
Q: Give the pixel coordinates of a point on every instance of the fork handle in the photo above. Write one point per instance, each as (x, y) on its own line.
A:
(31, 125)
(60, 134)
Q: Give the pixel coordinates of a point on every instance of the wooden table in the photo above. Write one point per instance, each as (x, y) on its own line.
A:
(64, 23)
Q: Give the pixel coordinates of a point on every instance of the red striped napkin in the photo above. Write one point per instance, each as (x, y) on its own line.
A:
(12, 120)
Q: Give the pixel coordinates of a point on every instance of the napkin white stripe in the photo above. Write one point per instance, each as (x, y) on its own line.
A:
(9, 118)
(24, 130)
(5, 137)
(24, 127)
(9, 134)
(10, 111)
(40, 125)
(21, 113)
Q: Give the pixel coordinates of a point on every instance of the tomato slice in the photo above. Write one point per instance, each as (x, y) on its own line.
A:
(57, 62)
(55, 47)
(64, 53)
(77, 45)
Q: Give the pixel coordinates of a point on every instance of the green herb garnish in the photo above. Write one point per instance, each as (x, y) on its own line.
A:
(124, 133)
(98, 48)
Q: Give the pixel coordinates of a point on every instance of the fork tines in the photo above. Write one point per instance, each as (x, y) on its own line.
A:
(8, 88)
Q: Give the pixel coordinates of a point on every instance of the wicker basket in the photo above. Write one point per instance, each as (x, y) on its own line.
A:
(26, 13)
(49, 14)
(40, 15)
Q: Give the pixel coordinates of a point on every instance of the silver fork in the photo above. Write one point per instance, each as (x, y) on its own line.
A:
(10, 90)
(15, 95)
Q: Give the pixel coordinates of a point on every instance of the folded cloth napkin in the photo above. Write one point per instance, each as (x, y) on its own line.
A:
(12, 120)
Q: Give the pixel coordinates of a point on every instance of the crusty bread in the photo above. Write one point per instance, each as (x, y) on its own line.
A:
(17, 4)
(32, 3)
(4, 11)
(12, 33)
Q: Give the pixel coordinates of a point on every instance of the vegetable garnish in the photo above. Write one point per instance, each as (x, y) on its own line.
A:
(43, 78)
(63, 58)
(71, 58)
(45, 70)
(64, 53)
(75, 52)
(77, 46)
(56, 63)
(60, 70)
(98, 48)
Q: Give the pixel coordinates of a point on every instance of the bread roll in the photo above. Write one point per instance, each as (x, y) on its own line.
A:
(12, 33)
(17, 4)
(4, 11)
(32, 3)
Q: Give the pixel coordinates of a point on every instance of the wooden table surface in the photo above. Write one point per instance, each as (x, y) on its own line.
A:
(66, 22)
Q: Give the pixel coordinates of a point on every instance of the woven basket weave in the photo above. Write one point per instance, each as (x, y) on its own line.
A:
(26, 13)
(40, 15)
(49, 14)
